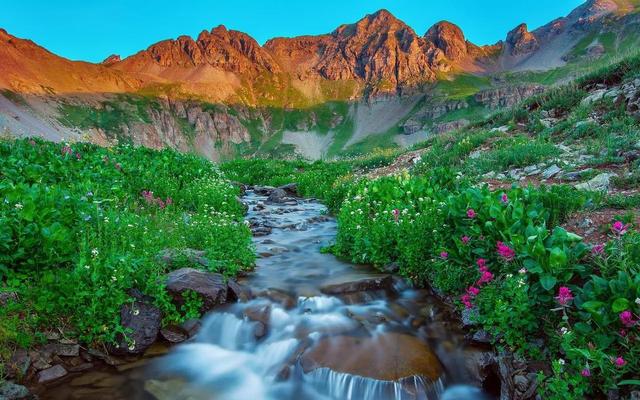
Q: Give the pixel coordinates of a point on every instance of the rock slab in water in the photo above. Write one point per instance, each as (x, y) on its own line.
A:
(360, 285)
(51, 374)
(11, 391)
(211, 287)
(142, 322)
(389, 357)
(238, 292)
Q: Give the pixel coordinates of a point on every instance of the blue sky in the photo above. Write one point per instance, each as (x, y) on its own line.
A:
(93, 29)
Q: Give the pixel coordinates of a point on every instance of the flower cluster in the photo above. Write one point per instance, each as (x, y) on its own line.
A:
(485, 277)
(564, 296)
(505, 252)
(150, 199)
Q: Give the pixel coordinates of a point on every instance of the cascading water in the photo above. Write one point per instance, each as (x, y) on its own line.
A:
(374, 341)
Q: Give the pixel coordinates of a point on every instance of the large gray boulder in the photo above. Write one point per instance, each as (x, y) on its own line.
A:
(142, 322)
(210, 286)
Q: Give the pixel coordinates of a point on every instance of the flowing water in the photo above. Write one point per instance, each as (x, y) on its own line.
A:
(318, 328)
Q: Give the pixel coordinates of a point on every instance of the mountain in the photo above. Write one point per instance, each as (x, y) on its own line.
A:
(363, 85)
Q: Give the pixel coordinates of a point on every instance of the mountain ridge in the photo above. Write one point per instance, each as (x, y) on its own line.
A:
(377, 55)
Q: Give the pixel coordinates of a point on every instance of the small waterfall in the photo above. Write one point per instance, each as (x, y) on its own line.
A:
(339, 385)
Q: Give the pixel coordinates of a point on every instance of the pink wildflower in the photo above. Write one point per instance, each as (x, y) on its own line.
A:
(473, 291)
(444, 255)
(471, 213)
(168, 201)
(598, 249)
(620, 362)
(586, 373)
(504, 198)
(466, 239)
(505, 252)
(486, 277)
(623, 332)
(564, 295)
(78, 156)
(32, 143)
(66, 150)
(396, 214)
(627, 319)
(466, 300)
(482, 264)
(118, 166)
(619, 228)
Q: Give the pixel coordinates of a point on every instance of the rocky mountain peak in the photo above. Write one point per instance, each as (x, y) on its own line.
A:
(112, 59)
(520, 41)
(449, 38)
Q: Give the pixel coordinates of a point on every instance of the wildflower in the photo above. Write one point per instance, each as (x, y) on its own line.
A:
(505, 252)
(95, 253)
(504, 198)
(619, 228)
(522, 271)
(623, 332)
(620, 362)
(78, 156)
(396, 214)
(638, 301)
(118, 166)
(19, 206)
(482, 264)
(486, 277)
(444, 255)
(561, 361)
(473, 291)
(627, 319)
(564, 295)
(585, 372)
(113, 278)
(168, 201)
(466, 300)
(466, 239)
(32, 142)
(87, 267)
(564, 330)
(66, 150)
(598, 249)
(471, 213)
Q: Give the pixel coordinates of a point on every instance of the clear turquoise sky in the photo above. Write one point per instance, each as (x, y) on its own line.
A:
(93, 29)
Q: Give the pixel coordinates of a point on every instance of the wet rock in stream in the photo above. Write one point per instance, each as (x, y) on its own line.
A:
(360, 285)
(211, 287)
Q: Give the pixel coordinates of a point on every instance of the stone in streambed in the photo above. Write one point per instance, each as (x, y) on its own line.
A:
(237, 292)
(51, 374)
(389, 357)
(359, 285)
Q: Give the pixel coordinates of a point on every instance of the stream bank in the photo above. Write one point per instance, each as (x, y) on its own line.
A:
(311, 327)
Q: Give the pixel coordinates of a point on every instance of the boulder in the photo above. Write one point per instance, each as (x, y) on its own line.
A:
(238, 292)
(174, 334)
(551, 172)
(291, 189)
(388, 357)
(278, 196)
(263, 190)
(11, 391)
(210, 286)
(18, 364)
(64, 349)
(142, 322)
(360, 285)
(51, 374)
(599, 183)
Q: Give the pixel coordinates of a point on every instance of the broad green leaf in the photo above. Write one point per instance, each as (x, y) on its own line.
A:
(548, 282)
(619, 305)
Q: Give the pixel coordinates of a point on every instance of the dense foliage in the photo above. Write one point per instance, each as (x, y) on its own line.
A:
(81, 225)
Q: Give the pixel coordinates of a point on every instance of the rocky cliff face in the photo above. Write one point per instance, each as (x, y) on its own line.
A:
(520, 41)
(506, 96)
(448, 38)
